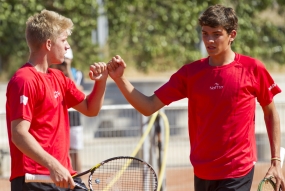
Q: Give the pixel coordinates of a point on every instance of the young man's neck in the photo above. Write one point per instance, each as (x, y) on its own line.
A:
(39, 63)
(221, 60)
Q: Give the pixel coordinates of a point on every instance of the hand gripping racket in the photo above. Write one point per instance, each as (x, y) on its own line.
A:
(122, 173)
(268, 184)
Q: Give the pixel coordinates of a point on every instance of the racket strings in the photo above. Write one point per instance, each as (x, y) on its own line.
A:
(124, 175)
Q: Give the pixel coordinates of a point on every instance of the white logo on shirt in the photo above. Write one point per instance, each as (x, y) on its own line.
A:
(56, 94)
(216, 87)
(24, 99)
(272, 86)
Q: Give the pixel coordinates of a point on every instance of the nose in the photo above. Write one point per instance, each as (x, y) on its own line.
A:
(210, 39)
(67, 46)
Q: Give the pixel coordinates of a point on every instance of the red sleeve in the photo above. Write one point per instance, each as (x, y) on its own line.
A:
(73, 95)
(266, 88)
(21, 96)
(175, 89)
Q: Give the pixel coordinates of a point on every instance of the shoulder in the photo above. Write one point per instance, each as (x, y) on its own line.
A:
(194, 67)
(250, 62)
(253, 67)
(24, 79)
(197, 63)
(24, 74)
(25, 69)
(55, 71)
(58, 75)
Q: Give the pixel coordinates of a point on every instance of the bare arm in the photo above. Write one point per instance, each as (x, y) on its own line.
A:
(92, 104)
(28, 145)
(272, 122)
(146, 105)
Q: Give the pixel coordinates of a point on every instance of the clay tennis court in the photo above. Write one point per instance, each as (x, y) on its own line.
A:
(181, 179)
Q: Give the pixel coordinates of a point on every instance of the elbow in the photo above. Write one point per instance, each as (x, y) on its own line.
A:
(147, 113)
(90, 111)
(92, 114)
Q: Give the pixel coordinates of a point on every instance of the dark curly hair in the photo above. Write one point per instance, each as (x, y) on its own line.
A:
(219, 15)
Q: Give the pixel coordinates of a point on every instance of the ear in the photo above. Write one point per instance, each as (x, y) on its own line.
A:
(48, 44)
(233, 35)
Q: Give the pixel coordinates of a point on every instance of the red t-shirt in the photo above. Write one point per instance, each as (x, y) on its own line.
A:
(221, 110)
(43, 100)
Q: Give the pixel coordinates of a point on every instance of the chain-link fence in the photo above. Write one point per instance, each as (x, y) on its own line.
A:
(118, 128)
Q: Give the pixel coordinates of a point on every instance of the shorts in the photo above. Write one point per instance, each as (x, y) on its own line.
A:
(76, 137)
(74, 118)
(18, 184)
(230, 184)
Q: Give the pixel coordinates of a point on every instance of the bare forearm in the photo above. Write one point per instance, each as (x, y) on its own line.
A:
(272, 122)
(28, 145)
(96, 98)
(273, 129)
(144, 104)
(92, 104)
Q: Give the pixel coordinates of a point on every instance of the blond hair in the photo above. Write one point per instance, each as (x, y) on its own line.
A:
(46, 25)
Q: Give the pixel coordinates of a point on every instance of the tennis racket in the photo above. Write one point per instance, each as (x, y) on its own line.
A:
(121, 173)
(268, 184)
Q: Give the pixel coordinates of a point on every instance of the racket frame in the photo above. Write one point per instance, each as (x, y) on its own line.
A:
(263, 181)
(47, 179)
(93, 169)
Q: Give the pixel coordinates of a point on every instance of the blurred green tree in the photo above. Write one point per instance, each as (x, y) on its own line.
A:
(157, 35)
(150, 35)
(260, 34)
(162, 35)
(13, 15)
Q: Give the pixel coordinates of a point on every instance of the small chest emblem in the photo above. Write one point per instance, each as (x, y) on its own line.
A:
(216, 86)
(56, 94)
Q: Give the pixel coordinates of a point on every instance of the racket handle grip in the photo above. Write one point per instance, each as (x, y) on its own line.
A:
(37, 178)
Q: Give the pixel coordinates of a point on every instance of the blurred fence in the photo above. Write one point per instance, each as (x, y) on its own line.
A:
(118, 128)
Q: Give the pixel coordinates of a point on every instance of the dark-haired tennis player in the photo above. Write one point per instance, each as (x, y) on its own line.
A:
(38, 99)
(222, 90)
